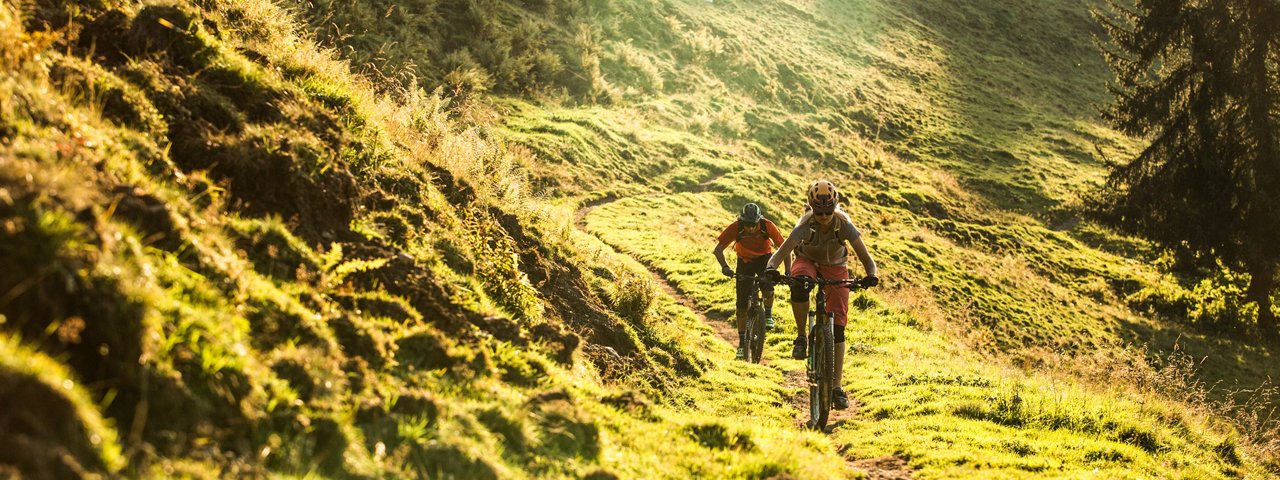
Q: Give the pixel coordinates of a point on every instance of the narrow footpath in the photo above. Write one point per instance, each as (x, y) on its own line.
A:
(882, 468)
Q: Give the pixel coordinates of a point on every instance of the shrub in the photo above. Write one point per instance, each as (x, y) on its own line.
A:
(1219, 304)
(717, 436)
(633, 297)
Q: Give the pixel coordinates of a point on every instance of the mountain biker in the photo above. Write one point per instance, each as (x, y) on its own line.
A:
(819, 241)
(754, 238)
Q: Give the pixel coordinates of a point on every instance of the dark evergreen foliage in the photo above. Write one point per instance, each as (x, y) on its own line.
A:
(1198, 81)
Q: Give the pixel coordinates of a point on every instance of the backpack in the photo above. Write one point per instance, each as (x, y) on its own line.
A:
(813, 229)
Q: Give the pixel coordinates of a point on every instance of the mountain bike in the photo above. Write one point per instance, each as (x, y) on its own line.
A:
(755, 319)
(820, 365)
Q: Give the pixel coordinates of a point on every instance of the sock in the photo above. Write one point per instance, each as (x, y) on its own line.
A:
(768, 313)
(742, 337)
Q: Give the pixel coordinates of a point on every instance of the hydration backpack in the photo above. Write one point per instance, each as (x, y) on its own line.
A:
(813, 227)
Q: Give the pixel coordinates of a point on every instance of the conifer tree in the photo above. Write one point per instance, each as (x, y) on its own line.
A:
(1198, 81)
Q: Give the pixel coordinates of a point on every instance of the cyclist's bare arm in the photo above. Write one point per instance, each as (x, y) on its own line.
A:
(786, 260)
(864, 256)
(784, 251)
(719, 253)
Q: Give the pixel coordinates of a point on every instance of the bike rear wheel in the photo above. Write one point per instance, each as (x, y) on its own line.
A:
(824, 362)
(755, 334)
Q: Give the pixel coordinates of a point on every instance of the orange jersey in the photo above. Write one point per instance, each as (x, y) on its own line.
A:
(754, 243)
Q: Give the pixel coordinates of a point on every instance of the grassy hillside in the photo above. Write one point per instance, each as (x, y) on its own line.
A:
(233, 250)
(227, 255)
(963, 134)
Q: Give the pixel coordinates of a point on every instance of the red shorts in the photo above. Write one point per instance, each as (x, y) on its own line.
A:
(837, 296)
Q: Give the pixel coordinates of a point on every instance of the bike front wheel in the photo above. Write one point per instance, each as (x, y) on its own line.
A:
(755, 334)
(823, 360)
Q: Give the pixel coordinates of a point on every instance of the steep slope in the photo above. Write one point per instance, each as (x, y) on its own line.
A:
(963, 135)
(225, 254)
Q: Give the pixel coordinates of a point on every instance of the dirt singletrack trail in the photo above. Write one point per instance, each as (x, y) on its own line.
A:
(722, 328)
(882, 468)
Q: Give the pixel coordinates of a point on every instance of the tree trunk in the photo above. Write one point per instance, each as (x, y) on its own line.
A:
(1261, 105)
(1260, 288)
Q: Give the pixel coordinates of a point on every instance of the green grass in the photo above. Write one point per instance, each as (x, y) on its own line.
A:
(285, 268)
(963, 155)
(951, 416)
(395, 332)
(80, 432)
(931, 401)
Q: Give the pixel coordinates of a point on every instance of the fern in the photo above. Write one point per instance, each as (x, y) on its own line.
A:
(336, 270)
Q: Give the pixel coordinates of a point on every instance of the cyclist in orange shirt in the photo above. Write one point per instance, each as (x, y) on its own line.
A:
(754, 238)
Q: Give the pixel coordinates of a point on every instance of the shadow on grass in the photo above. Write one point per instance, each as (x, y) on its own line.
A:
(1222, 366)
(1011, 81)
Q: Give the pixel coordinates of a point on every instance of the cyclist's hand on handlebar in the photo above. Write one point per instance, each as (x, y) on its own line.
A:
(870, 281)
(771, 275)
(728, 272)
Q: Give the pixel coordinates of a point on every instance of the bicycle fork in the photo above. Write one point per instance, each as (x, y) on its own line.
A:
(810, 366)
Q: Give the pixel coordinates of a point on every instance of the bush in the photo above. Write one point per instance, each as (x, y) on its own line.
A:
(1219, 304)
(719, 437)
(633, 298)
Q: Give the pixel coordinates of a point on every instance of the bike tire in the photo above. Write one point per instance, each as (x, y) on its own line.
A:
(755, 334)
(820, 401)
(751, 333)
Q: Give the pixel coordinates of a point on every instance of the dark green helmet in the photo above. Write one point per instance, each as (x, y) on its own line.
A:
(750, 213)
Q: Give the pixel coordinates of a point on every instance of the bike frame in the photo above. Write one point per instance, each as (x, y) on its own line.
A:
(820, 324)
(756, 285)
(816, 314)
(755, 302)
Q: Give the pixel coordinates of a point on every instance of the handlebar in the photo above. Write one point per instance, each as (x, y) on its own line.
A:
(851, 284)
(791, 281)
